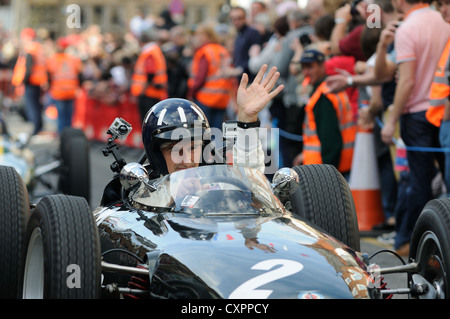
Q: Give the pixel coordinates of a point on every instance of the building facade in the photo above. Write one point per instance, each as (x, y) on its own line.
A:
(62, 17)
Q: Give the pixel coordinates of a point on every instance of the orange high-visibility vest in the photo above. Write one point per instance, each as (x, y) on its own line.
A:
(215, 93)
(64, 70)
(440, 88)
(139, 83)
(311, 143)
(38, 75)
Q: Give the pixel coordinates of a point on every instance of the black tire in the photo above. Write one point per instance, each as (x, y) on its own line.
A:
(14, 216)
(68, 133)
(430, 244)
(62, 234)
(75, 175)
(324, 198)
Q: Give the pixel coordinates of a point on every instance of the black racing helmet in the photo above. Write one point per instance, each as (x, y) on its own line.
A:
(171, 120)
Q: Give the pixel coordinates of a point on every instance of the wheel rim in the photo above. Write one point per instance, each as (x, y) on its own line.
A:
(429, 257)
(33, 282)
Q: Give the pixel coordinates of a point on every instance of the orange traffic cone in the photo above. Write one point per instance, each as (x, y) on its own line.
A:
(364, 182)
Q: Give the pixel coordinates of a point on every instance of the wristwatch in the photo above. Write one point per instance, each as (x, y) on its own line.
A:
(349, 81)
(246, 125)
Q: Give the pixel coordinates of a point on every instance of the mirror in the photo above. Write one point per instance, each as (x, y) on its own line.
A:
(132, 175)
(285, 181)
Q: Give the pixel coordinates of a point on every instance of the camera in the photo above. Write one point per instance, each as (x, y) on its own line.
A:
(120, 128)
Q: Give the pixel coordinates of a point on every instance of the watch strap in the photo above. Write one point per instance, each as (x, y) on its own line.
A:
(245, 125)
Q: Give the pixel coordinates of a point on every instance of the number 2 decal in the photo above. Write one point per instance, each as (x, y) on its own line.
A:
(249, 289)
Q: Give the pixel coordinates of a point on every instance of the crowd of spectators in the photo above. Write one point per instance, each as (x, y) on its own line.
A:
(356, 40)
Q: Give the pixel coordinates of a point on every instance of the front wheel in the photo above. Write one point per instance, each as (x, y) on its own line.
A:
(14, 216)
(63, 247)
(430, 245)
(324, 198)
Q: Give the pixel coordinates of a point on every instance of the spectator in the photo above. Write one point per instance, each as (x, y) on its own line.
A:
(418, 47)
(139, 24)
(381, 70)
(64, 73)
(207, 87)
(335, 63)
(439, 112)
(245, 38)
(377, 105)
(346, 35)
(328, 129)
(164, 20)
(178, 57)
(444, 9)
(282, 7)
(30, 71)
(320, 42)
(263, 24)
(288, 113)
(316, 9)
(259, 57)
(149, 80)
(256, 8)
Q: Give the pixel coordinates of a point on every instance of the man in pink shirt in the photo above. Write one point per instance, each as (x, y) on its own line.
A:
(419, 40)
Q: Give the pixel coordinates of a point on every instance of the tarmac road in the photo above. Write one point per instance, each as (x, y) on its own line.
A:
(101, 175)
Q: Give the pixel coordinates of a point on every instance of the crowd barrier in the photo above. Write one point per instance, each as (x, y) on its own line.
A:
(94, 117)
(6, 87)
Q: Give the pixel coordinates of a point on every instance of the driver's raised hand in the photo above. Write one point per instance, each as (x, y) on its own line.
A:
(252, 98)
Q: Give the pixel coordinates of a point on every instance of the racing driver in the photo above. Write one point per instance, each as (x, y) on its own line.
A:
(175, 131)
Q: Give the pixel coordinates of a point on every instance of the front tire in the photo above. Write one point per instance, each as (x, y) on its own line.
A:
(324, 198)
(63, 250)
(14, 216)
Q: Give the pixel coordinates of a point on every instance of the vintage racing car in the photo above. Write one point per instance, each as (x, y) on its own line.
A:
(235, 235)
(66, 170)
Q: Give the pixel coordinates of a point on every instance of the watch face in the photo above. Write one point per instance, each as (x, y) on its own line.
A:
(349, 81)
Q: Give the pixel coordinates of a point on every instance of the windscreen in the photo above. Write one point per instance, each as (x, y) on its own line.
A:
(212, 190)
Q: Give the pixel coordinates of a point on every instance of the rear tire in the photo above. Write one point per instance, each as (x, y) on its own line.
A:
(63, 247)
(75, 176)
(324, 198)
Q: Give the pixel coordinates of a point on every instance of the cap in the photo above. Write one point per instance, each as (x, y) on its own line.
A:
(310, 56)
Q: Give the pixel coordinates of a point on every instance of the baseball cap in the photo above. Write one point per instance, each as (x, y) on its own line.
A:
(310, 56)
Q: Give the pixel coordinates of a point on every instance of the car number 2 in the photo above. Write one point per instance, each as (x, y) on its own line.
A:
(249, 289)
